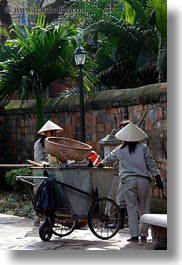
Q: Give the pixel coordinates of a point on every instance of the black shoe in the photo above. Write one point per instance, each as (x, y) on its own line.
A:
(133, 239)
(143, 239)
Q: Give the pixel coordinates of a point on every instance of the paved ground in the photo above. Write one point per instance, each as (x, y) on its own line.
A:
(17, 233)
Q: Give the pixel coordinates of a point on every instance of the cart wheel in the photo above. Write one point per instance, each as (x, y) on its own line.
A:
(64, 226)
(45, 231)
(102, 212)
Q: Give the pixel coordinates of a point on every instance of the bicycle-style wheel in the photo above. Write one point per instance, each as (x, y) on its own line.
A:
(45, 231)
(103, 212)
(64, 225)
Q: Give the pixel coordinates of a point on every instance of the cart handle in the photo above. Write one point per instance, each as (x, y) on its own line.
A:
(31, 177)
(25, 178)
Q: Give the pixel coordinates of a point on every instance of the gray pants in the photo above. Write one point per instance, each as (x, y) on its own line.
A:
(120, 198)
(137, 197)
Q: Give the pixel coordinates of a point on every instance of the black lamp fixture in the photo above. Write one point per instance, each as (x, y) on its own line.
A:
(80, 56)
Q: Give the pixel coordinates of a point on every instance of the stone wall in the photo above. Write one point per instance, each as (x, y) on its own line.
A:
(103, 112)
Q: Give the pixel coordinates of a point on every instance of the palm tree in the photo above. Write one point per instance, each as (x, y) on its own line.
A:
(159, 9)
(31, 61)
(125, 39)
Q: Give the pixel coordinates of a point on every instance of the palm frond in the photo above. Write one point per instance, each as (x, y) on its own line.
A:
(139, 8)
(160, 9)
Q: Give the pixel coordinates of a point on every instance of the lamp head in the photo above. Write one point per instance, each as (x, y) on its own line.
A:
(80, 55)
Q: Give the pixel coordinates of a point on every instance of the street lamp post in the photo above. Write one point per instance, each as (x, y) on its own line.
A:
(80, 55)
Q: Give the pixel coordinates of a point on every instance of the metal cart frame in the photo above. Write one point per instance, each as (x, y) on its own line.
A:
(99, 212)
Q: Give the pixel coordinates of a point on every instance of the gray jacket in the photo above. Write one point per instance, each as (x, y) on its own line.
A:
(40, 153)
(139, 163)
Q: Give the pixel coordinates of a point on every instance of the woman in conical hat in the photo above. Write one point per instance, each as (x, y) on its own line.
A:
(136, 166)
(49, 129)
(40, 153)
(131, 133)
(119, 196)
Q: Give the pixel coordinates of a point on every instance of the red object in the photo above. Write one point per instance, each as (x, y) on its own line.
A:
(95, 158)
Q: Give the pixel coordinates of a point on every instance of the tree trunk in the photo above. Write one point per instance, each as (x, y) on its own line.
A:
(39, 110)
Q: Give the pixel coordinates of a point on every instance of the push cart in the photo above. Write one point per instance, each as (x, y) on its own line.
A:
(80, 194)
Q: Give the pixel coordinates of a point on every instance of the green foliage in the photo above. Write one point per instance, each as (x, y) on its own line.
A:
(11, 178)
(159, 8)
(34, 59)
(3, 33)
(13, 204)
(37, 57)
(127, 39)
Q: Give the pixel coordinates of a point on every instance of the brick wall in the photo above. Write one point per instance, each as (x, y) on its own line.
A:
(103, 112)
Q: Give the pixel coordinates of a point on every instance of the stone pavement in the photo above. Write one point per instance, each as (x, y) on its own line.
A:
(18, 233)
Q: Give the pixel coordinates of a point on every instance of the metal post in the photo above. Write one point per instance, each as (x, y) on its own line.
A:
(82, 111)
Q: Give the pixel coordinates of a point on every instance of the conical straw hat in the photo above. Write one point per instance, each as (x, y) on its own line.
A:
(131, 133)
(49, 126)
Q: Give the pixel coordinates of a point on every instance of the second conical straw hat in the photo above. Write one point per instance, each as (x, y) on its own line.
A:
(131, 133)
(49, 126)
